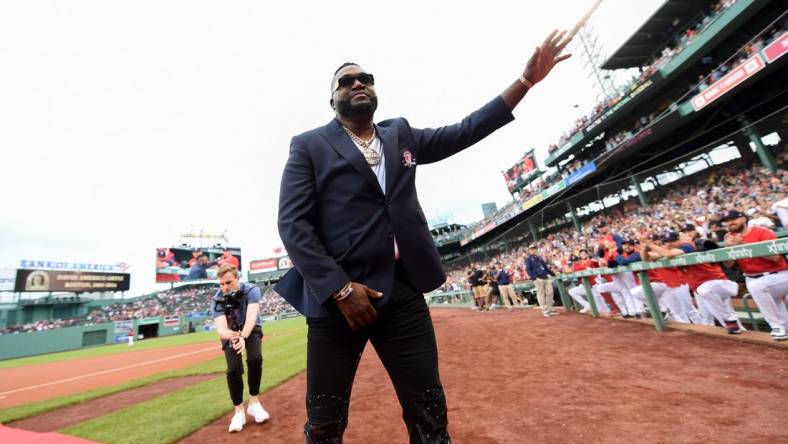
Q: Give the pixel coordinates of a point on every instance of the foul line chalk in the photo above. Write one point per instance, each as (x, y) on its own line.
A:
(139, 364)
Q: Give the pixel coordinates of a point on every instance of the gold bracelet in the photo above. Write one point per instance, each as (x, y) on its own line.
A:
(525, 82)
(343, 294)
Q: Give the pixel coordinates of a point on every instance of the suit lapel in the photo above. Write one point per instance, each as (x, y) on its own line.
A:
(340, 141)
(388, 137)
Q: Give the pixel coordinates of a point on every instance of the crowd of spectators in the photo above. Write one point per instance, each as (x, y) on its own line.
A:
(175, 302)
(680, 41)
(96, 316)
(699, 200)
(747, 51)
(612, 141)
(700, 203)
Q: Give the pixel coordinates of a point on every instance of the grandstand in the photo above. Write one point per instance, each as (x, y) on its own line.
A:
(704, 117)
(699, 131)
(173, 311)
(656, 130)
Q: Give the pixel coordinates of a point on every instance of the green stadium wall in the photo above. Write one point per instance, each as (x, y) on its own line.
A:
(18, 345)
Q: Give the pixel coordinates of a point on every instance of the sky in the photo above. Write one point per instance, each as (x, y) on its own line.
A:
(125, 124)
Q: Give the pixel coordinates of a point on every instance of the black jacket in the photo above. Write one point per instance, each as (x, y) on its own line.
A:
(336, 223)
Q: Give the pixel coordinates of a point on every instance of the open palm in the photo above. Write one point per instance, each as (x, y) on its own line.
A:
(547, 55)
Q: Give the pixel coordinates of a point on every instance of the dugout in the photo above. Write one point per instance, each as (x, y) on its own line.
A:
(148, 330)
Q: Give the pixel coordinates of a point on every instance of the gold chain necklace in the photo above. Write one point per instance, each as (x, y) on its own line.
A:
(370, 155)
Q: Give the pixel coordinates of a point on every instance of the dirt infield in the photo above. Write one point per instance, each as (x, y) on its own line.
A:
(519, 377)
(21, 385)
(85, 411)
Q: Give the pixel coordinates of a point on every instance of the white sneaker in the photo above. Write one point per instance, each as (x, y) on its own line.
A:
(256, 411)
(779, 334)
(585, 310)
(238, 422)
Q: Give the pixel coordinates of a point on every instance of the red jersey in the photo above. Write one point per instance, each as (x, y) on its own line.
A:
(585, 265)
(698, 274)
(654, 276)
(607, 255)
(672, 277)
(760, 265)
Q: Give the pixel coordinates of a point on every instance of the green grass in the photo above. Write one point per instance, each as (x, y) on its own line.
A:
(280, 332)
(165, 341)
(111, 349)
(175, 415)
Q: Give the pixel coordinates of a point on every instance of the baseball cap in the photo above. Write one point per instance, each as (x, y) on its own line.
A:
(687, 227)
(670, 236)
(629, 241)
(654, 237)
(732, 214)
(532, 246)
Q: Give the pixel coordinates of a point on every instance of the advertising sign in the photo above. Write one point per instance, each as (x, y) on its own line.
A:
(580, 173)
(776, 49)
(172, 321)
(123, 326)
(78, 266)
(264, 265)
(728, 82)
(284, 263)
(271, 264)
(72, 281)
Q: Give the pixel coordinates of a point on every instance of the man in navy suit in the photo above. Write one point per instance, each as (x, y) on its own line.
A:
(351, 222)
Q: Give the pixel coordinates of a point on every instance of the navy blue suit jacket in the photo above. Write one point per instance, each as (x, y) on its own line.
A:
(338, 225)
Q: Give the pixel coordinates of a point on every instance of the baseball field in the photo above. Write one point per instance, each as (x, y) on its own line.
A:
(510, 377)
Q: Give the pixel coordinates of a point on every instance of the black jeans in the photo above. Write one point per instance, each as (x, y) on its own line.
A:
(235, 366)
(405, 342)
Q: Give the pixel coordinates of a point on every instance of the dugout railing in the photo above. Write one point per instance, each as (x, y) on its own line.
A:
(465, 297)
(747, 251)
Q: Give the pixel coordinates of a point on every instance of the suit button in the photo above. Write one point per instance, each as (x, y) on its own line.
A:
(388, 206)
(390, 235)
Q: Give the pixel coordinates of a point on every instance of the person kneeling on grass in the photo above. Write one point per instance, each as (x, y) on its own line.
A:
(236, 313)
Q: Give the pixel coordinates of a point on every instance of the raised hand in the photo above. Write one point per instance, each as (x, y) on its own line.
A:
(546, 56)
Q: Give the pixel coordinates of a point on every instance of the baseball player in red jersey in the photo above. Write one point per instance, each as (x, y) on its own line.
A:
(610, 247)
(766, 277)
(712, 287)
(677, 296)
(578, 292)
(713, 290)
(658, 284)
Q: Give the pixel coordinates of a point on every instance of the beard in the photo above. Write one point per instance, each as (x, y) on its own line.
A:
(735, 228)
(357, 110)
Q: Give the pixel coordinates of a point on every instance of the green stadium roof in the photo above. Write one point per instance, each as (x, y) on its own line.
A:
(655, 33)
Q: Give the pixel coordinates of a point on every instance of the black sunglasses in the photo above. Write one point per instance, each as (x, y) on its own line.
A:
(348, 81)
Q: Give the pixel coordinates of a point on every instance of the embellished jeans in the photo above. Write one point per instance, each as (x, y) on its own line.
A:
(404, 339)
